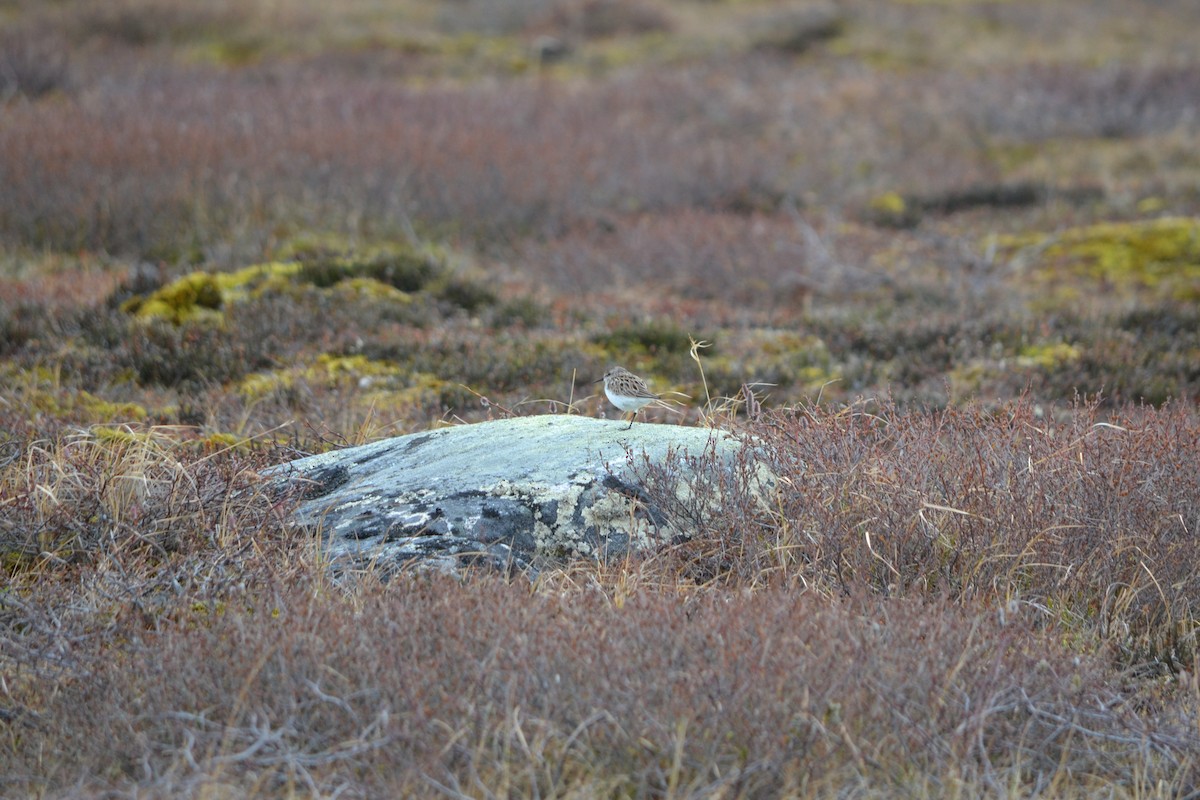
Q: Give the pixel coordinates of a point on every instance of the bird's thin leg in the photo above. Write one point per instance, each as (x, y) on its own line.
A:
(631, 419)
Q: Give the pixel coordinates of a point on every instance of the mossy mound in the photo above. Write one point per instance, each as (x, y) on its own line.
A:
(194, 296)
(402, 269)
(391, 275)
(372, 289)
(201, 296)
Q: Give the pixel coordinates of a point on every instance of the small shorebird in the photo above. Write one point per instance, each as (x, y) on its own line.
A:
(627, 391)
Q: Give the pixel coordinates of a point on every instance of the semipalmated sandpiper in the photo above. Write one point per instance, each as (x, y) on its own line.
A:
(627, 391)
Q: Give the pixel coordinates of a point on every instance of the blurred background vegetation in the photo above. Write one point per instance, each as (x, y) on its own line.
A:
(937, 200)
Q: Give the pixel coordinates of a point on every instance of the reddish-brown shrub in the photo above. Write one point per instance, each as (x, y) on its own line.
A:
(33, 63)
(1086, 520)
(434, 685)
(175, 161)
(489, 16)
(1071, 101)
(139, 23)
(752, 262)
(593, 19)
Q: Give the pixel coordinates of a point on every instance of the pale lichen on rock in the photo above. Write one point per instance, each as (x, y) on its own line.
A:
(513, 493)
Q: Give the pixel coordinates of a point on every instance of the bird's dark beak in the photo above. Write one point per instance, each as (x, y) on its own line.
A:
(597, 380)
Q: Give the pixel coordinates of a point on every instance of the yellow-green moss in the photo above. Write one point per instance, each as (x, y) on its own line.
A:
(655, 336)
(475, 53)
(306, 243)
(374, 290)
(967, 378)
(1047, 356)
(1012, 156)
(219, 442)
(194, 296)
(618, 52)
(1147, 252)
(257, 279)
(803, 360)
(888, 203)
(119, 434)
(239, 50)
(332, 368)
(259, 385)
(12, 559)
(201, 296)
(890, 208)
(407, 268)
(100, 409)
(814, 378)
(1162, 255)
(787, 343)
(785, 364)
(40, 389)
(204, 608)
(423, 389)
(328, 370)
(18, 555)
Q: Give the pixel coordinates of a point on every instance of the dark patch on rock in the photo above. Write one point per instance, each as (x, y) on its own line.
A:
(547, 512)
(323, 480)
(508, 493)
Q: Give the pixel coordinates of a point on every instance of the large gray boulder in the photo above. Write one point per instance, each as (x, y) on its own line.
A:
(513, 493)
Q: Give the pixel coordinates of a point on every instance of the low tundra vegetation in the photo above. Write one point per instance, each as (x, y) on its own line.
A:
(974, 598)
(934, 263)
